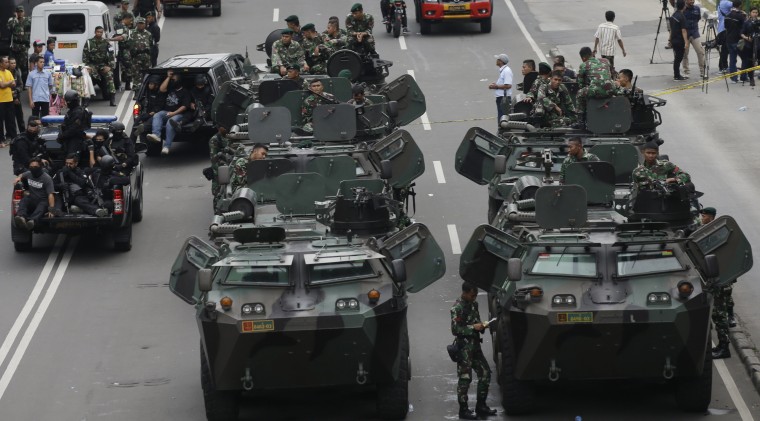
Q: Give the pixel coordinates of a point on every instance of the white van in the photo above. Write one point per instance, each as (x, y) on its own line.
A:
(71, 23)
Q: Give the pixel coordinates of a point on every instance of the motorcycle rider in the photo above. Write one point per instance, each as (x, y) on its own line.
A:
(386, 6)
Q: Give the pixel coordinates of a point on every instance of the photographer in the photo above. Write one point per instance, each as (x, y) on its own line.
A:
(734, 23)
(750, 32)
(693, 14)
(679, 38)
(724, 8)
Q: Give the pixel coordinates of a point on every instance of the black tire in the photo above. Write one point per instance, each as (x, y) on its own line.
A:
(154, 148)
(137, 203)
(517, 397)
(425, 27)
(393, 398)
(22, 240)
(122, 238)
(485, 26)
(216, 11)
(388, 28)
(493, 208)
(396, 28)
(220, 406)
(694, 394)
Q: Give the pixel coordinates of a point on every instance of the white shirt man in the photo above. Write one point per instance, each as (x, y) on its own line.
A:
(503, 86)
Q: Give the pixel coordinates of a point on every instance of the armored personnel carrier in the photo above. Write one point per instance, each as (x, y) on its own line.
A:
(309, 291)
(583, 292)
(617, 131)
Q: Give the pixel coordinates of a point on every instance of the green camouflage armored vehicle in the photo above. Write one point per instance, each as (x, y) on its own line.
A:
(581, 292)
(308, 292)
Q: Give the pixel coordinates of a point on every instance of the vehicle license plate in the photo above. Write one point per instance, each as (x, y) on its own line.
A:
(457, 8)
(189, 2)
(67, 45)
(248, 326)
(576, 317)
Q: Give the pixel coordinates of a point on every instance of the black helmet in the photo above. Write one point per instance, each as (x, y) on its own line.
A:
(71, 96)
(200, 79)
(117, 126)
(107, 162)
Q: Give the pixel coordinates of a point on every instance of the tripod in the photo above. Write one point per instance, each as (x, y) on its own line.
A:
(710, 44)
(665, 13)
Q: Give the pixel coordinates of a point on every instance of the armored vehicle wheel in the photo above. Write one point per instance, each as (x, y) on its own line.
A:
(485, 26)
(22, 240)
(493, 208)
(220, 406)
(425, 27)
(693, 394)
(393, 398)
(122, 238)
(517, 396)
(216, 10)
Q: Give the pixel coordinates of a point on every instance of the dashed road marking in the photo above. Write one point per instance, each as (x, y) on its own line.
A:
(454, 237)
(402, 42)
(439, 172)
(733, 391)
(425, 120)
(524, 30)
(276, 15)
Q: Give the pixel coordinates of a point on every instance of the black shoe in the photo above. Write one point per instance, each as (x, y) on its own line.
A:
(677, 78)
(731, 322)
(20, 222)
(112, 100)
(721, 351)
(128, 86)
(466, 414)
(482, 410)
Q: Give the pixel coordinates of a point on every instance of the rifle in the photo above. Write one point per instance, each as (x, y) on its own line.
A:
(64, 191)
(94, 191)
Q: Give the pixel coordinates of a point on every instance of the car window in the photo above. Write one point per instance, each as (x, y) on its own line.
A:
(235, 67)
(221, 74)
(66, 23)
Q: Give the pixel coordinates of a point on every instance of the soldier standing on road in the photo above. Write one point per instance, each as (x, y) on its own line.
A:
(97, 55)
(20, 28)
(652, 170)
(315, 50)
(359, 28)
(141, 41)
(287, 51)
(594, 81)
(467, 328)
(124, 59)
(502, 87)
(217, 147)
(575, 153)
(155, 31)
(240, 166)
(311, 102)
(295, 25)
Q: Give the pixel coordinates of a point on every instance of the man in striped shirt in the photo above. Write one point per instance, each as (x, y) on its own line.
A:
(606, 36)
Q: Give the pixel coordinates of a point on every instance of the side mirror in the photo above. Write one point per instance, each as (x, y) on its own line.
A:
(393, 109)
(514, 269)
(224, 174)
(712, 270)
(399, 270)
(386, 170)
(500, 164)
(204, 280)
(141, 147)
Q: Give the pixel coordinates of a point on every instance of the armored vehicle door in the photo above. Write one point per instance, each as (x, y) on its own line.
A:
(724, 239)
(296, 193)
(272, 90)
(195, 255)
(406, 158)
(231, 100)
(610, 115)
(623, 156)
(422, 256)
(476, 154)
(485, 257)
(411, 100)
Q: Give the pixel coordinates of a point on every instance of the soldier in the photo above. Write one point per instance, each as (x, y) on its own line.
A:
(217, 147)
(20, 28)
(315, 49)
(294, 74)
(141, 40)
(333, 35)
(652, 170)
(467, 328)
(359, 27)
(553, 102)
(155, 30)
(594, 81)
(575, 153)
(544, 74)
(295, 25)
(240, 166)
(124, 59)
(317, 97)
(287, 51)
(358, 98)
(98, 56)
(123, 10)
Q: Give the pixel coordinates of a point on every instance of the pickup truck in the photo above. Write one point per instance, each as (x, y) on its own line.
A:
(127, 193)
(171, 5)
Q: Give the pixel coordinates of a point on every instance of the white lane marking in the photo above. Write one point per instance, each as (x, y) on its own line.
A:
(531, 41)
(439, 172)
(733, 391)
(161, 22)
(453, 236)
(122, 102)
(10, 338)
(402, 42)
(10, 370)
(276, 15)
(425, 120)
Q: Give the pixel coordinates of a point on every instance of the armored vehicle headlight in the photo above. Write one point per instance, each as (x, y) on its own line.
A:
(658, 298)
(353, 304)
(247, 309)
(226, 303)
(531, 164)
(374, 296)
(557, 300)
(570, 299)
(258, 308)
(340, 304)
(347, 304)
(685, 289)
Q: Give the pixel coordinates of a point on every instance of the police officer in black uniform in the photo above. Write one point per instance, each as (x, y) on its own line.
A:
(72, 133)
(122, 148)
(27, 145)
(72, 182)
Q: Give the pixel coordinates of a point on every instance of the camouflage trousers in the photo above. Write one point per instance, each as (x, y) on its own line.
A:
(472, 359)
(139, 65)
(106, 77)
(22, 62)
(722, 301)
(125, 66)
(319, 68)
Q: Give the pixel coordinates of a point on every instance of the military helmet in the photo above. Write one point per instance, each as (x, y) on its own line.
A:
(71, 96)
(107, 162)
(117, 127)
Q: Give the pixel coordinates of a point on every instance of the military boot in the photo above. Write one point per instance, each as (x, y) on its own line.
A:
(465, 413)
(721, 351)
(112, 99)
(482, 410)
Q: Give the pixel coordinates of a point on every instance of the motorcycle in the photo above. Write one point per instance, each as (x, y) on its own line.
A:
(396, 18)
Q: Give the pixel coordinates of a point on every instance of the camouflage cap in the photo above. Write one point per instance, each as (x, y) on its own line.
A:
(308, 27)
(19, 8)
(357, 7)
(140, 19)
(287, 31)
(709, 211)
(291, 18)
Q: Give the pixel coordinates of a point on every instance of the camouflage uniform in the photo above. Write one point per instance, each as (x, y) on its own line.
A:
(141, 42)
(125, 52)
(354, 26)
(216, 145)
(317, 63)
(308, 106)
(571, 159)
(299, 81)
(722, 300)
(645, 174)
(336, 41)
(544, 105)
(538, 85)
(463, 316)
(594, 81)
(282, 54)
(239, 177)
(97, 55)
(20, 33)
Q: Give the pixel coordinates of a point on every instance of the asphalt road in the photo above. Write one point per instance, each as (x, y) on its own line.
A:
(93, 334)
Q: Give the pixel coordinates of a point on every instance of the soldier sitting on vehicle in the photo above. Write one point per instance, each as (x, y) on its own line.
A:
(544, 74)
(317, 97)
(315, 49)
(39, 200)
(101, 182)
(239, 176)
(623, 83)
(333, 35)
(286, 51)
(358, 98)
(122, 149)
(575, 153)
(294, 74)
(653, 170)
(554, 104)
(27, 145)
(72, 182)
(359, 27)
(594, 82)
(201, 99)
(98, 147)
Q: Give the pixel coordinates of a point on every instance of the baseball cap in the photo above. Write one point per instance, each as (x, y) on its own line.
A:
(503, 57)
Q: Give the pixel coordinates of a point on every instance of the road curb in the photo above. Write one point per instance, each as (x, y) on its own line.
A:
(746, 351)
